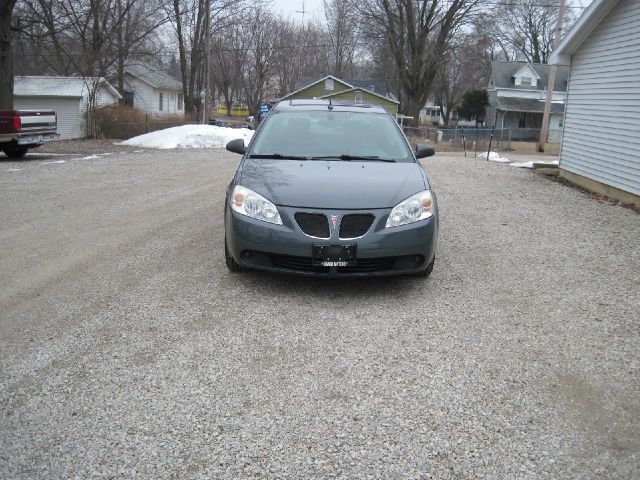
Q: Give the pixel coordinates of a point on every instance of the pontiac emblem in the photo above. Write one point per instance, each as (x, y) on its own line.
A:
(334, 220)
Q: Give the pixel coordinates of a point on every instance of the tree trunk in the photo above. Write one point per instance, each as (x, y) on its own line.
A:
(6, 57)
(228, 102)
(413, 106)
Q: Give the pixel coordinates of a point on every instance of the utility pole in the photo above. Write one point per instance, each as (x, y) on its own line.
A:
(207, 66)
(544, 131)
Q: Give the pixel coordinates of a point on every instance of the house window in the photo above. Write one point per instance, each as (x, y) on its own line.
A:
(328, 84)
(522, 121)
(180, 101)
(358, 96)
(525, 81)
(161, 103)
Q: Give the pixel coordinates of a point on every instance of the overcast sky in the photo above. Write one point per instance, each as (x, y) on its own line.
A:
(289, 7)
(315, 7)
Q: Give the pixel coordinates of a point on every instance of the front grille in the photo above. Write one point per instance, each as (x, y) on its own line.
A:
(303, 264)
(355, 225)
(313, 224)
(365, 265)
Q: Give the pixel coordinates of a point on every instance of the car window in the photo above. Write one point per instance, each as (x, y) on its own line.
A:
(331, 133)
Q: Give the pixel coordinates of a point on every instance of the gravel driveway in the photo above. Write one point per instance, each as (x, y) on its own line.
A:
(128, 350)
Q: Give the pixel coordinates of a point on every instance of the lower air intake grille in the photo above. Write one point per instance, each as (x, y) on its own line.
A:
(313, 224)
(303, 264)
(355, 225)
(366, 265)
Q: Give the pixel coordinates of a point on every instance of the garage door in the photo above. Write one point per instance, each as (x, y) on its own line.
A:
(68, 110)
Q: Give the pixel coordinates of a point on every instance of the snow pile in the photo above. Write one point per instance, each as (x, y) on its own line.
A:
(494, 157)
(530, 164)
(190, 136)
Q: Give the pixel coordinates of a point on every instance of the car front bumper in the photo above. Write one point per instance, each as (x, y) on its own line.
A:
(285, 248)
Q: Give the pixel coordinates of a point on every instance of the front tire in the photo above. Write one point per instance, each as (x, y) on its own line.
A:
(427, 271)
(16, 152)
(232, 265)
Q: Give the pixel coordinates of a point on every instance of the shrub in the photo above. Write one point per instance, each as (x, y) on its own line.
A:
(124, 122)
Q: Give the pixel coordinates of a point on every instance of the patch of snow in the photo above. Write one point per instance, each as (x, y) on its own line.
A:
(530, 164)
(495, 157)
(522, 164)
(55, 162)
(190, 136)
(90, 157)
(14, 170)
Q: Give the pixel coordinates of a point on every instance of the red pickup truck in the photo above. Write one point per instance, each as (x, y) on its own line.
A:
(21, 130)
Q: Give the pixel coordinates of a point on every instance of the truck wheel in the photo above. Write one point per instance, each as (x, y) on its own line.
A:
(16, 152)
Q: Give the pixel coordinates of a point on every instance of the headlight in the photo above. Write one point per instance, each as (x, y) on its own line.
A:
(417, 207)
(252, 204)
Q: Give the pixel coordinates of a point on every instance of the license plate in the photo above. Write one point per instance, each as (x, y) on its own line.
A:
(334, 255)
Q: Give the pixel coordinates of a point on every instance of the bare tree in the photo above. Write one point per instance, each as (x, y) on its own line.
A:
(524, 29)
(418, 33)
(342, 33)
(229, 61)
(135, 33)
(188, 20)
(261, 56)
(6, 55)
(465, 67)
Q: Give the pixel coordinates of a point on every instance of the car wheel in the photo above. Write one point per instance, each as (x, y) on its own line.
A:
(16, 152)
(232, 265)
(427, 271)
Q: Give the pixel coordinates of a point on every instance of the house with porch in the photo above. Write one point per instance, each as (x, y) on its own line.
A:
(517, 95)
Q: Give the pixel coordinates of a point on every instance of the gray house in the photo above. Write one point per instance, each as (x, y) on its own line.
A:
(517, 94)
(601, 142)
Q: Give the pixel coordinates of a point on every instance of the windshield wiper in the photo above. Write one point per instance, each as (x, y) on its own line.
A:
(348, 158)
(277, 156)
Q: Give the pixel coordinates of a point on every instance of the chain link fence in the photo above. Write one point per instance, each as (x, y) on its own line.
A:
(471, 139)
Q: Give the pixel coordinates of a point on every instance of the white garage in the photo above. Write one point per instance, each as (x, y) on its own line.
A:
(67, 96)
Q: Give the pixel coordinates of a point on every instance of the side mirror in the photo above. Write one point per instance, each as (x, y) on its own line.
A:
(423, 151)
(237, 146)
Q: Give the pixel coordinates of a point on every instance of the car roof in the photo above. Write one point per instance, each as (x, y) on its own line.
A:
(324, 104)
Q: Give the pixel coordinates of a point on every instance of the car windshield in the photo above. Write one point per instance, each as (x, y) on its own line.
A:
(336, 135)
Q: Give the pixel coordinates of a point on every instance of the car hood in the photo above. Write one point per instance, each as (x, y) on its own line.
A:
(340, 185)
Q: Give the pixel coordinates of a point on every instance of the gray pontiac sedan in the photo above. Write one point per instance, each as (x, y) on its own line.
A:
(330, 189)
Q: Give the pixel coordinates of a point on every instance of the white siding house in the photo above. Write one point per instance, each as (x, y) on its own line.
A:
(153, 91)
(601, 143)
(67, 96)
(517, 94)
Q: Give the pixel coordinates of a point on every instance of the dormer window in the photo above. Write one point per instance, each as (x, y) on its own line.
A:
(525, 81)
(358, 96)
(328, 84)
